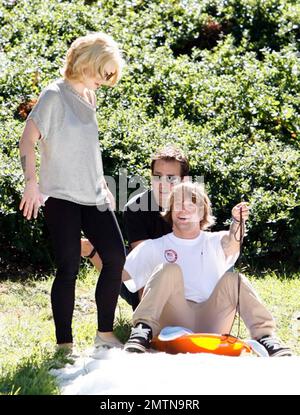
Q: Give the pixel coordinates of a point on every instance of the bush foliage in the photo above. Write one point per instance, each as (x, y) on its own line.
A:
(218, 77)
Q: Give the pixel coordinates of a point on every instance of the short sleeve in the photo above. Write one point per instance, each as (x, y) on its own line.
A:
(140, 264)
(224, 262)
(135, 226)
(48, 112)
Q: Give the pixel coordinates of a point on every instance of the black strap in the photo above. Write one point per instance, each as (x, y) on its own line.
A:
(237, 310)
(239, 275)
(92, 254)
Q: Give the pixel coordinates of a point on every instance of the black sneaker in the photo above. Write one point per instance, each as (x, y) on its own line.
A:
(140, 338)
(273, 347)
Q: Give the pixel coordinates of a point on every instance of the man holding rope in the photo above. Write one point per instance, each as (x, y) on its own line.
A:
(185, 278)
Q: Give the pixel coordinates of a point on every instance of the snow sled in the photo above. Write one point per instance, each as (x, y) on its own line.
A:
(173, 340)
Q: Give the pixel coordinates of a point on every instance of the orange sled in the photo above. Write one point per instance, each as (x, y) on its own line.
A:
(180, 340)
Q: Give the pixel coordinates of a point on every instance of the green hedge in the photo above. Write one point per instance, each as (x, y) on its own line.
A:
(220, 78)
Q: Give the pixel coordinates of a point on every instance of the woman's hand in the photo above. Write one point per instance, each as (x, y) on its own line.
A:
(31, 201)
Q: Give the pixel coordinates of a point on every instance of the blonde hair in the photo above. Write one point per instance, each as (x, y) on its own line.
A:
(195, 193)
(89, 54)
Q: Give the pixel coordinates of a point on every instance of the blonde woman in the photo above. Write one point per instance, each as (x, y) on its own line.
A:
(71, 181)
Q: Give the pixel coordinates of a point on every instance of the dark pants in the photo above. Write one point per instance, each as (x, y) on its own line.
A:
(65, 220)
(131, 298)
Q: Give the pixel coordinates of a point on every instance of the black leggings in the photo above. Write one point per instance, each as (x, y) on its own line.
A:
(65, 220)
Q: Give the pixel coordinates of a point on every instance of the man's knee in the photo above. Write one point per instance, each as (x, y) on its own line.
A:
(168, 270)
(172, 267)
(232, 278)
(230, 275)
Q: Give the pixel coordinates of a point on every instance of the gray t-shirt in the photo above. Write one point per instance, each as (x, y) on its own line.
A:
(71, 162)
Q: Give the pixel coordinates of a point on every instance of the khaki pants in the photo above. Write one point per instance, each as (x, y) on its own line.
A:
(163, 304)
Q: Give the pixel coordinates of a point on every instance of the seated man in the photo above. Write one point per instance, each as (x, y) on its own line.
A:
(185, 278)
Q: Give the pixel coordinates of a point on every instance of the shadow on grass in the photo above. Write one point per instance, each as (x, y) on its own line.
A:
(24, 274)
(31, 376)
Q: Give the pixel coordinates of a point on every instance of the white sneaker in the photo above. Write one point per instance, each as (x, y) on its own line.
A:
(100, 342)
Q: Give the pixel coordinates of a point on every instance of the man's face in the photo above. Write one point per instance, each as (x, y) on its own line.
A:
(186, 215)
(166, 174)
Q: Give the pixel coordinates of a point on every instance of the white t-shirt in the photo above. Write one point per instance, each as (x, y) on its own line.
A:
(202, 261)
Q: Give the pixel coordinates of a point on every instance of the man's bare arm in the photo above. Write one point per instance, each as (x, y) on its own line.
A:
(231, 240)
(135, 244)
(125, 276)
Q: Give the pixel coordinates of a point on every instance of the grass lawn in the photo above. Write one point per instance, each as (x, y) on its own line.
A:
(27, 349)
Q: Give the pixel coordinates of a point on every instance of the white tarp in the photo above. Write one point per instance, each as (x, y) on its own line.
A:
(116, 372)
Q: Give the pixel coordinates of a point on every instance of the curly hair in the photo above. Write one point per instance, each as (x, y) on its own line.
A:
(194, 192)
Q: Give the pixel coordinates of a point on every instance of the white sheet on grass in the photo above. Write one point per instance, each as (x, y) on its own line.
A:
(118, 372)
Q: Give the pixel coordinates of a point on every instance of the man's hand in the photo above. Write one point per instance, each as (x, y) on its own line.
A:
(109, 194)
(125, 276)
(236, 212)
(31, 201)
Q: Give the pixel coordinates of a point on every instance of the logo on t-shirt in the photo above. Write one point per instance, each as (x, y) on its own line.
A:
(171, 255)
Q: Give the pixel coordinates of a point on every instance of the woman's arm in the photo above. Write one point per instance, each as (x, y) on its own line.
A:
(32, 198)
